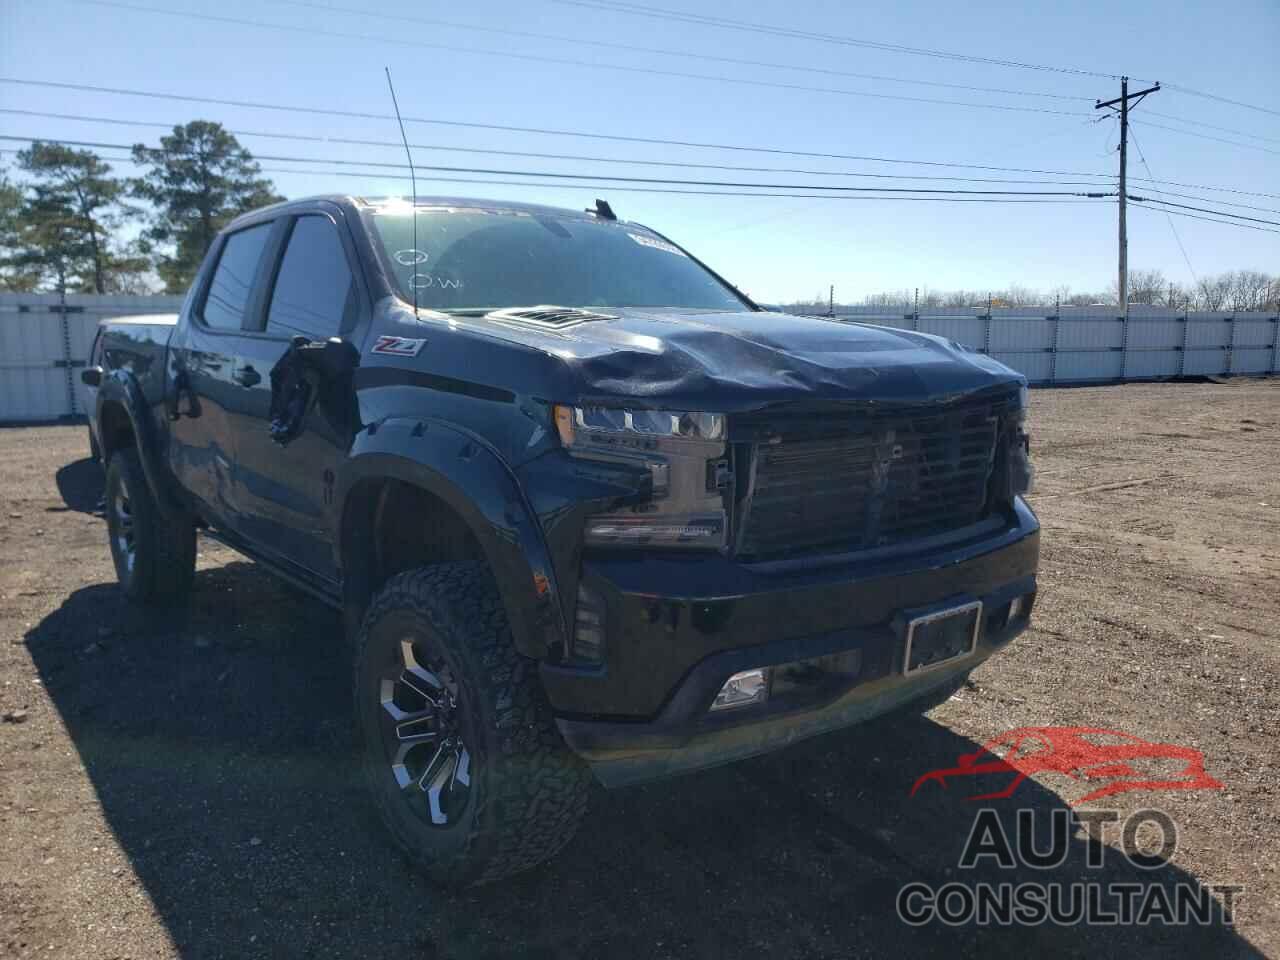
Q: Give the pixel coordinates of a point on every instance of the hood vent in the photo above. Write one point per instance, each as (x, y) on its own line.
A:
(549, 316)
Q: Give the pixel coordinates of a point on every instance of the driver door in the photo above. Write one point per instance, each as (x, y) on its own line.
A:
(286, 493)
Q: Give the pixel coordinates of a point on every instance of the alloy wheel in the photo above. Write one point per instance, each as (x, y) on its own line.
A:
(422, 735)
(122, 528)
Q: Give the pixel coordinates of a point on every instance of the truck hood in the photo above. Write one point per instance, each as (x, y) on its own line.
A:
(731, 362)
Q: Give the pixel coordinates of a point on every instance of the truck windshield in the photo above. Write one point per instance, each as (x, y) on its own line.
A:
(480, 259)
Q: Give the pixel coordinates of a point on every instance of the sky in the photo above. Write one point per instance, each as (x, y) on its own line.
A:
(330, 55)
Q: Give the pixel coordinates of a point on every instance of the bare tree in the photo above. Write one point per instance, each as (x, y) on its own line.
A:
(1273, 295)
(1145, 287)
(1249, 289)
(895, 299)
(1213, 292)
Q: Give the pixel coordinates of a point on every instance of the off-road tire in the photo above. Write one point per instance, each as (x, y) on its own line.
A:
(164, 550)
(528, 791)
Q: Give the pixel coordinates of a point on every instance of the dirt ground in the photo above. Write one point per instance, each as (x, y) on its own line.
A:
(181, 784)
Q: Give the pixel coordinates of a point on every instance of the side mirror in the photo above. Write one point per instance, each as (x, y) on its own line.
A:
(91, 376)
(338, 358)
(331, 359)
(307, 374)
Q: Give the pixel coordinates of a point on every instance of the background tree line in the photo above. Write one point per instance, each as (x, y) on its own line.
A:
(68, 224)
(1235, 290)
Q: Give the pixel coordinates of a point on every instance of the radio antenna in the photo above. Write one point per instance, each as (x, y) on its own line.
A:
(413, 180)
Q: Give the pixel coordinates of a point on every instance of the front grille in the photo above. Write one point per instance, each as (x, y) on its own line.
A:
(851, 479)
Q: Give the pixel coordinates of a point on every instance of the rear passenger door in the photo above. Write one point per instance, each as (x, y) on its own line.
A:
(202, 357)
(286, 493)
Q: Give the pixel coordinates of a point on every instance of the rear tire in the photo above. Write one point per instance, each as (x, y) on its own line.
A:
(461, 754)
(155, 558)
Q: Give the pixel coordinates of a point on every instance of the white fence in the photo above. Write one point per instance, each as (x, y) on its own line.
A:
(1085, 344)
(44, 343)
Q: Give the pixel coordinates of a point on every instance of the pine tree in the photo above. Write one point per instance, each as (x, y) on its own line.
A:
(67, 214)
(199, 179)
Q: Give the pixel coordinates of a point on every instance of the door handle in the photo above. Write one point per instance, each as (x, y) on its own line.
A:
(247, 377)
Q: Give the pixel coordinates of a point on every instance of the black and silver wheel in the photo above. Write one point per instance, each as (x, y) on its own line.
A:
(460, 751)
(155, 558)
(124, 542)
(422, 737)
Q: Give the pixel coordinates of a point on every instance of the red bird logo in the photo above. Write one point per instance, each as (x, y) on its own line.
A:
(1084, 754)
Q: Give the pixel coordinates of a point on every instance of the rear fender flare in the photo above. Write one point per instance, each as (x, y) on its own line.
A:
(119, 389)
(476, 483)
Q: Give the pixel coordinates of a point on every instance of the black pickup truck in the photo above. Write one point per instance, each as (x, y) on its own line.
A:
(585, 508)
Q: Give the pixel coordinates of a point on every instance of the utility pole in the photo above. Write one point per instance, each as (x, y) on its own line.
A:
(1123, 110)
(831, 301)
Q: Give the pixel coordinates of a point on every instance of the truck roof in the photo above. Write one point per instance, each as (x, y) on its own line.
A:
(430, 201)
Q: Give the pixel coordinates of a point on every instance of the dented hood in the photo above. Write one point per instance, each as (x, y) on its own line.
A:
(730, 362)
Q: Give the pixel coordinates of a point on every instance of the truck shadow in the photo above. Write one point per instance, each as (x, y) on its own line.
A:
(80, 485)
(218, 738)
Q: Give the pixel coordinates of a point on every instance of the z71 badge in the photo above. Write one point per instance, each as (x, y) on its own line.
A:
(397, 346)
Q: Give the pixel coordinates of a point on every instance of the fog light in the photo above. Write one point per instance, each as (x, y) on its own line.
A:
(655, 530)
(1015, 608)
(743, 689)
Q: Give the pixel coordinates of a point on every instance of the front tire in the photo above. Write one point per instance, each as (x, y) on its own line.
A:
(460, 752)
(155, 557)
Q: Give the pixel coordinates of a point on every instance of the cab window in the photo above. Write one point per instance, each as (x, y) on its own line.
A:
(232, 282)
(314, 294)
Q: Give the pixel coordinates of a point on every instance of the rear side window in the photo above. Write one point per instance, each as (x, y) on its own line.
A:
(314, 291)
(233, 279)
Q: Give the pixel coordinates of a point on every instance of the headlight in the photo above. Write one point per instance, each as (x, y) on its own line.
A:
(1021, 472)
(683, 452)
(612, 426)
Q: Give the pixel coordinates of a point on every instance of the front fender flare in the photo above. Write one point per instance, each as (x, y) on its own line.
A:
(473, 480)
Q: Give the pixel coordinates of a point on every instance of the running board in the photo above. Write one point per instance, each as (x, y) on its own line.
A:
(326, 591)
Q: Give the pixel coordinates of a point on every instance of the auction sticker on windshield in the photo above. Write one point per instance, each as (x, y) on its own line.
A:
(657, 244)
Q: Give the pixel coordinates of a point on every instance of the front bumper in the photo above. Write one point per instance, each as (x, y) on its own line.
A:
(680, 627)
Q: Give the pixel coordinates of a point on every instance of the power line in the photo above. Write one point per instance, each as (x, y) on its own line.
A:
(1206, 136)
(1214, 96)
(562, 61)
(1143, 157)
(553, 156)
(1144, 205)
(661, 13)
(1210, 126)
(510, 128)
(1189, 196)
(1201, 186)
(578, 175)
(382, 176)
(578, 134)
(694, 55)
(1220, 213)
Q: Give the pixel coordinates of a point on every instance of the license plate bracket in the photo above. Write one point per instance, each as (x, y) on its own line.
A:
(941, 637)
